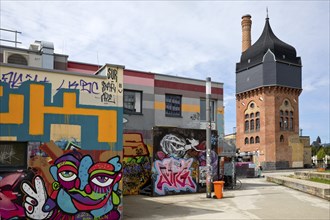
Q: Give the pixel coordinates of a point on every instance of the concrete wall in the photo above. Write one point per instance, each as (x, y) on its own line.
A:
(67, 130)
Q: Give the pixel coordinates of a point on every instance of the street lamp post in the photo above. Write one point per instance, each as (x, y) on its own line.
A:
(208, 138)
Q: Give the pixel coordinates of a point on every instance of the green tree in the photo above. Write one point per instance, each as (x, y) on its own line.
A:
(321, 153)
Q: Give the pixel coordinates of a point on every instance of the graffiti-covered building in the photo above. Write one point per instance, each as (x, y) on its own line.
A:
(76, 137)
(60, 137)
(164, 132)
(165, 119)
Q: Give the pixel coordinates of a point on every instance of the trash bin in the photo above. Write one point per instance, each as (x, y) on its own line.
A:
(218, 188)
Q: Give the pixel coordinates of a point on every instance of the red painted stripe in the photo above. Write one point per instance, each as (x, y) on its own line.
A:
(83, 66)
(138, 74)
(185, 86)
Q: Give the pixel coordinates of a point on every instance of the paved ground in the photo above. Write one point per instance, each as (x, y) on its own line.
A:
(258, 199)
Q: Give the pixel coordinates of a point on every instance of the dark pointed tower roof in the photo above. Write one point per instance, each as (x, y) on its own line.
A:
(267, 41)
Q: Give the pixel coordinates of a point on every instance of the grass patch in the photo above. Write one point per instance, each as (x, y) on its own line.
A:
(320, 180)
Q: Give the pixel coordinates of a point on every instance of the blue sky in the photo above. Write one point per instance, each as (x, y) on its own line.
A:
(192, 39)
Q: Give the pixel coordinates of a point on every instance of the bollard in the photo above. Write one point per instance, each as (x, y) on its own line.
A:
(218, 189)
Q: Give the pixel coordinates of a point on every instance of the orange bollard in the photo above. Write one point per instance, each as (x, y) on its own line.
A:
(218, 188)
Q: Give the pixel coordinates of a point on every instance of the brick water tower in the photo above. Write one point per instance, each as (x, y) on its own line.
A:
(268, 85)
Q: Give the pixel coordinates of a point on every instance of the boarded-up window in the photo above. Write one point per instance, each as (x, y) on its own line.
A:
(13, 155)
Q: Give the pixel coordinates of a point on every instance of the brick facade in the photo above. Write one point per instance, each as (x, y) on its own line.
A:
(275, 152)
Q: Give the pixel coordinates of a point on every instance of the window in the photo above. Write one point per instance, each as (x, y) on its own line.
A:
(132, 102)
(281, 138)
(252, 118)
(286, 123)
(173, 105)
(202, 106)
(17, 59)
(286, 116)
(252, 125)
(257, 124)
(257, 140)
(13, 155)
(246, 141)
(281, 123)
(246, 126)
(251, 140)
(291, 121)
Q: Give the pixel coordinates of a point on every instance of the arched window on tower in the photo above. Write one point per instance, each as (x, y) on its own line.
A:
(286, 118)
(281, 123)
(251, 140)
(252, 125)
(246, 140)
(246, 126)
(258, 124)
(291, 121)
(286, 123)
(281, 138)
(257, 140)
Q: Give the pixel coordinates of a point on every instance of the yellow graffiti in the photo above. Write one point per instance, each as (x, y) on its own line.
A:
(107, 119)
(134, 146)
(15, 110)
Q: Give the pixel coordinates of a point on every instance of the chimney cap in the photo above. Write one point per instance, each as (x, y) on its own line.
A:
(247, 15)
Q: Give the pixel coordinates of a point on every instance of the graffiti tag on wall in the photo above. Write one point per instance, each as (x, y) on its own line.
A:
(176, 145)
(136, 164)
(174, 175)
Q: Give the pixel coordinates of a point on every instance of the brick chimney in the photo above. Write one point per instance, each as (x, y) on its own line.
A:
(246, 32)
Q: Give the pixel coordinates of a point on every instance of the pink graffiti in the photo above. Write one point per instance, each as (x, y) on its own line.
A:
(8, 208)
(174, 175)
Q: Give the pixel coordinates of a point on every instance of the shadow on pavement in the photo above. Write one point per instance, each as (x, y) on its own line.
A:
(145, 207)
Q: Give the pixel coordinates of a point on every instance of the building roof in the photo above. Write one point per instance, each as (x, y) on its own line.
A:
(267, 41)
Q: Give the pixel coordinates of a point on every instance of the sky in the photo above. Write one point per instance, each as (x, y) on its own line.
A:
(194, 39)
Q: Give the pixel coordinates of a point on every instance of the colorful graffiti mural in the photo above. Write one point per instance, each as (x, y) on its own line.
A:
(78, 174)
(179, 157)
(80, 187)
(174, 175)
(136, 164)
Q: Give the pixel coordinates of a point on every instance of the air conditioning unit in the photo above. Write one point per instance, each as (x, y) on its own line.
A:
(16, 57)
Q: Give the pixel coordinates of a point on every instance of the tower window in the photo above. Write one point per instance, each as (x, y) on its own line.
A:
(252, 125)
(281, 138)
(251, 140)
(246, 126)
(246, 116)
(257, 139)
(246, 140)
(257, 124)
